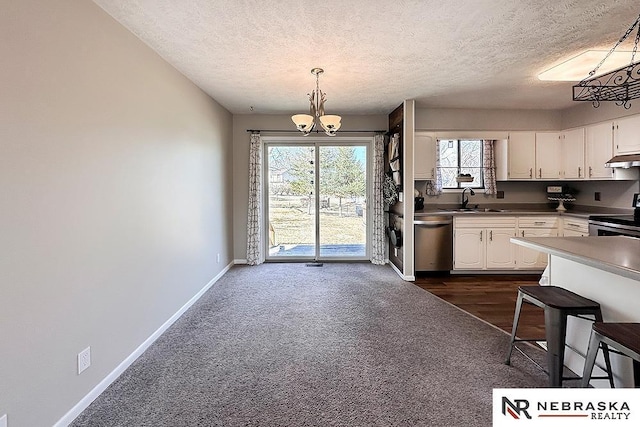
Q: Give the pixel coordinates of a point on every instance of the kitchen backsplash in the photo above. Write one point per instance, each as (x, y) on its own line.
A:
(615, 194)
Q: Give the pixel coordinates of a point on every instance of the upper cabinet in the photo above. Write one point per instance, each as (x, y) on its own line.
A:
(598, 150)
(548, 155)
(521, 151)
(572, 145)
(626, 135)
(424, 159)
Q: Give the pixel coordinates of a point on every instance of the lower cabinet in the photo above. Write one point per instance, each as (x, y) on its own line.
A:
(535, 226)
(528, 259)
(484, 243)
(468, 248)
(500, 251)
(575, 227)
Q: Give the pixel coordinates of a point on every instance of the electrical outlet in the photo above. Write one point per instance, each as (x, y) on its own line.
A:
(3, 421)
(499, 194)
(218, 258)
(84, 359)
(596, 196)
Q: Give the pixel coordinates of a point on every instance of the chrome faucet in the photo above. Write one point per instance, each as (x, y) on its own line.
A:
(465, 201)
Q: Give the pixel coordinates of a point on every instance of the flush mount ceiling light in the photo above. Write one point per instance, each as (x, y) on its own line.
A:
(574, 69)
(620, 85)
(305, 123)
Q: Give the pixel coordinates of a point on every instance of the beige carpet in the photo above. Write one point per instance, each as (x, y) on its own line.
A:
(338, 345)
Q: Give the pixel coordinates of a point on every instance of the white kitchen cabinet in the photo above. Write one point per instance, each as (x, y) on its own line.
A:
(528, 259)
(500, 252)
(535, 226)
(469, 248)
(574, 227)
(598, 150)
(424, 159)
(547, 154)
(626, 135)
(521, 153)
(572, 155)
(483, 243)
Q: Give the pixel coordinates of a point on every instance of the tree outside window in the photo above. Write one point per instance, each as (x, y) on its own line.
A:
(459, 157)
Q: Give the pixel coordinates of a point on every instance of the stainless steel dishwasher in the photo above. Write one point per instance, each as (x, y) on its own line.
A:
(433, 240)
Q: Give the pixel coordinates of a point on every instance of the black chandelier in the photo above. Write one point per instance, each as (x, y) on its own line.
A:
(620, 85)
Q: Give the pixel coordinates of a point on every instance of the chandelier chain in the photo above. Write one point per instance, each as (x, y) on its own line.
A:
(635, 45)
(623, 38)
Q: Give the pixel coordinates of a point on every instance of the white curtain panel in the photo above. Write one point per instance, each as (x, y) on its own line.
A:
(377, 202)
(489, 166)
(254, 219)
(434, 187)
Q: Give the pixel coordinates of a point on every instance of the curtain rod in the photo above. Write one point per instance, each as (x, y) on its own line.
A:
(316, 131)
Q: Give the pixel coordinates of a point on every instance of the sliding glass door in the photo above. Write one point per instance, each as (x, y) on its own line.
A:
(316, 201)
(342, 194)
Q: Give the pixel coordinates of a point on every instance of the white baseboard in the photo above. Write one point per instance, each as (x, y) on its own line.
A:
(406, 278)
(97, 390)
(239, 261)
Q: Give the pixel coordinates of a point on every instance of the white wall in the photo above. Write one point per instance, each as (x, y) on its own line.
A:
(241, 137)
(115, 199)
(489, 119)
(583, 113)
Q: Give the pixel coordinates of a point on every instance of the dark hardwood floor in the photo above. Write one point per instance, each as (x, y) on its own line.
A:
(490, 297)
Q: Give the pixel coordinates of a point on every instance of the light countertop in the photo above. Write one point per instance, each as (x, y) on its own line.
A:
(615, 254)
(518, 210)
(507, 212)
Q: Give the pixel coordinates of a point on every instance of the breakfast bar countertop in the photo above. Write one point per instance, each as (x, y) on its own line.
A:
(615, 254)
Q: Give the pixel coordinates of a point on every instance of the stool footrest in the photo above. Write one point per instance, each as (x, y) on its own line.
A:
(531, 360)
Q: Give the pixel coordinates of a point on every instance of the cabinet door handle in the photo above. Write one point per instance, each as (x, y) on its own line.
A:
(590, 171)
(522, 233)
(573, 225)
(433, 173)
(481, 235)
(579, 171)
(491, 235)
(540, 173)
(530, 172)
(538, 223)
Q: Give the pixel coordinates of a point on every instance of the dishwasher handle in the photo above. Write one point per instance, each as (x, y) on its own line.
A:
(433, 222)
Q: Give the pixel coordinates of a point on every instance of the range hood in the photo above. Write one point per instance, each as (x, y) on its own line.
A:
(626, 161)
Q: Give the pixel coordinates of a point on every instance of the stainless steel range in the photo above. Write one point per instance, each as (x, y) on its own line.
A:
(618, 225)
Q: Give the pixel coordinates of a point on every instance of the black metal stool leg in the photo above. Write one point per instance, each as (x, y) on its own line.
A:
(607, 363)
(516, 318)
(556, 329)
(590, 360)
(605, 352)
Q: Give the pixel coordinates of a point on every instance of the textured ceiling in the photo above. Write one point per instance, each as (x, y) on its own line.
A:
(449, 54)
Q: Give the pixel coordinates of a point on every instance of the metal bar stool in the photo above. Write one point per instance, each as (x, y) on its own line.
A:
(558, 303)
(623, 338)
